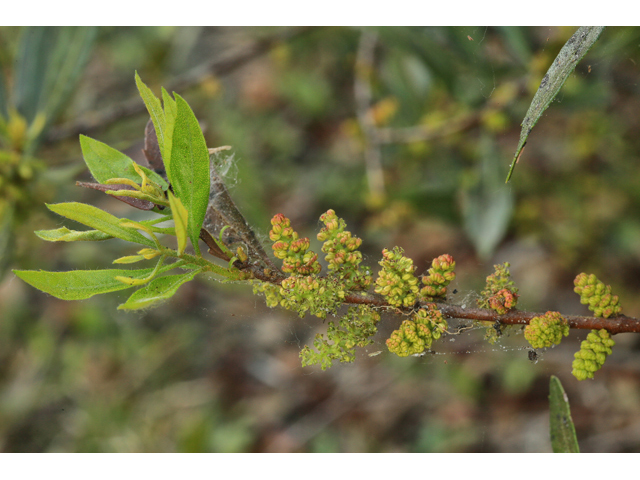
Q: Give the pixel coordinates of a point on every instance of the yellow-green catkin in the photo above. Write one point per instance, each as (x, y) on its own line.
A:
(292, 250)
(341, 249)
(396, 280)
(355, 329)
(596, 295)
(439, 276)
(592, 354)
(546, 330)
(416, 335)
(500, 293)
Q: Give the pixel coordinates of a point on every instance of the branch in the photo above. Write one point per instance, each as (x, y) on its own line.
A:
(619, 324)
(133, 106)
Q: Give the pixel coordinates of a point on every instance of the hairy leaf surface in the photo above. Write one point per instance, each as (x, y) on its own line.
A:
(100, 220)
(79, 284)
(180, 217)
(105, 163)
(157, 290)
(65, 235)
(189, 169)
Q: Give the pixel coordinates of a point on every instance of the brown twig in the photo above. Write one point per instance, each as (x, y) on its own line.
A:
(134, 106)
(619, 324)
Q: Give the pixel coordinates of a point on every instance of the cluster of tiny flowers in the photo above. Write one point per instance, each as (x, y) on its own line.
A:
(342, 251)
(500, 293)
(417, 334)
(597, 295)
(293, 251)
(546, 330)
(592, 354)
(503, 301)
(270, 291)
(318, 296)
(354, 330)
(396, 280)
(440, 275)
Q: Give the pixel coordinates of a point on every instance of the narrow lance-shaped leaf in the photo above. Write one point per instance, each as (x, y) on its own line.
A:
(157, 290)
(170, 113)
(564, 64)
(189, 168)
(65, 235)
(157, 117)
(106, 163)
(563, 433)
(81, 284)
(180, 217)
(100, 220)
(134, 202)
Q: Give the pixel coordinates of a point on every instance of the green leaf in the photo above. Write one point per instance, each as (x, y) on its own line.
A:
(106, 163)
(563, 433)
(79, 284)
(158, 118)
(100, 220)
(170, 113)
(564, 64)
(65, 235)
(157, 290)
(189, 169)
(180, 217)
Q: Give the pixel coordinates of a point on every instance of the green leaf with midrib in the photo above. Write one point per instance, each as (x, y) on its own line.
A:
(82, 284)
(565, 63)
(563, 433)
(189, 169)
(100, 220)
(159, 289)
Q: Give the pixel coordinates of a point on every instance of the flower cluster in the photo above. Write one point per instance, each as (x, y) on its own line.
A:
(597, 295)
(342, 252)
(293, 251)
(592, 354)
(500, 293)
(546, 330)
(319, 296)
(417, 334)
(503, 301)
(396, 280)
(271, 293)
(440, 275)
(354, 330)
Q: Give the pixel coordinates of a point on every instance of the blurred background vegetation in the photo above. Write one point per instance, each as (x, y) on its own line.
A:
(408, 134)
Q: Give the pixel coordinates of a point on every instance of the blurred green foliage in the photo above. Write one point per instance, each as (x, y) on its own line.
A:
(215, 370)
